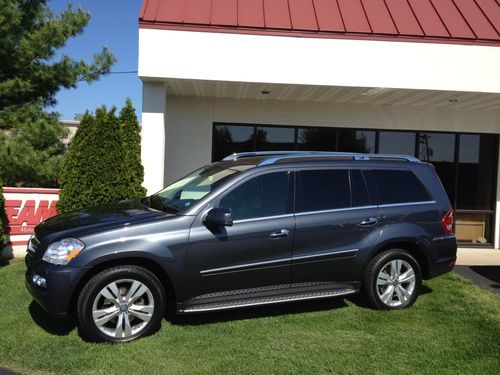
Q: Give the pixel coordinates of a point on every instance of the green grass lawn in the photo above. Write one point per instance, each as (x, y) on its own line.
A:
(453, 328)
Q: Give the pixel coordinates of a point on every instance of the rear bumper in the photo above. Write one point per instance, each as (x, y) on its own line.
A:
(61, 282)
(443, 256)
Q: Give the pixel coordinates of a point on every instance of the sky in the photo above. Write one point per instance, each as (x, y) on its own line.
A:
(113, 23)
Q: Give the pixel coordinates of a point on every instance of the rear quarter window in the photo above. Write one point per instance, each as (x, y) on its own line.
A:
(400, 186)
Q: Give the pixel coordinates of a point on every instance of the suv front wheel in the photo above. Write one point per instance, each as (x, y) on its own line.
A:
(121, 304)
(392, 280)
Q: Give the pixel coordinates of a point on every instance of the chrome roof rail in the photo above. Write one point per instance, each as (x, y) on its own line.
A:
(338, 155)
(275, 156)
(241, 155)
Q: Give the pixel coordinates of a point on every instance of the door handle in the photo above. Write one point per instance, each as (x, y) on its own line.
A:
(369, 221)
(280, 233)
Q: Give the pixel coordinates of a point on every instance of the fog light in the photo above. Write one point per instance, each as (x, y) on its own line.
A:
(39, 280)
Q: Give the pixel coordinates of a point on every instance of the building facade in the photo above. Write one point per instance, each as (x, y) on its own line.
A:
(418, 77)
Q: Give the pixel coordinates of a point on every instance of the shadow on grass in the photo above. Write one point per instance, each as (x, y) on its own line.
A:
(290, 308)
(6, 256)
(53, 325)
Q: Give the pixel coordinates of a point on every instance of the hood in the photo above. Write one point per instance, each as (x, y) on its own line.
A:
(97, 218)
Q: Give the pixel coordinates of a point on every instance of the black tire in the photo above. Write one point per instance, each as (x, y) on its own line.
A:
(372, 291)
(86, 324)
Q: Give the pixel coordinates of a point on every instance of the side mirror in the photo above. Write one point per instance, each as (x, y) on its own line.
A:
(219, 217)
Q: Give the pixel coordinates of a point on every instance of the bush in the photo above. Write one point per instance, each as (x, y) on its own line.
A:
(103, 161)
(3, 235)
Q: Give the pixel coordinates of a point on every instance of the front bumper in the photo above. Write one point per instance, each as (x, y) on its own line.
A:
(61, 283)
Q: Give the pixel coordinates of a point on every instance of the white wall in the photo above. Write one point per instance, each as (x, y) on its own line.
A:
(190, 119)
(317, 61)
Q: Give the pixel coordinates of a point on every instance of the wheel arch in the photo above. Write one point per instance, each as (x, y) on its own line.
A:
(146, 263)
(412, 247)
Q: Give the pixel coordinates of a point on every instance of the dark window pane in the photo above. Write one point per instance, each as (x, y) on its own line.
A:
(400, 187)
(324, 190)
(437, 147)
(356, 140)
(478, 155)
(229, 139)
(275, 139)
(397, 143)
(316, 139)
(358, 188)
(262, 196)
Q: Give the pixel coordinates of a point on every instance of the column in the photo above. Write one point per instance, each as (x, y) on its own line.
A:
(154, 98)
(497, 211)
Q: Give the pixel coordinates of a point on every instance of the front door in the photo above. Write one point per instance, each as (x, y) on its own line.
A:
(256, 251)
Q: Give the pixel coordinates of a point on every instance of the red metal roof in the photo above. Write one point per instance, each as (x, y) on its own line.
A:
(443, 21)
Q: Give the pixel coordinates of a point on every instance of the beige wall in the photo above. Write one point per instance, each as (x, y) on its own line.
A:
(188, 132)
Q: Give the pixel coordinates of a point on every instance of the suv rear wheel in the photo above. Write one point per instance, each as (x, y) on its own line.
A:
(392, 280)
(121, 304)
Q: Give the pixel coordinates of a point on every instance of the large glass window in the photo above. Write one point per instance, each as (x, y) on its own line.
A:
(356, 140)
(359, 192)
(439, 149)
(400, 187)
(476, 171)
(397, 143)
(230, 139)
(262, 196)
(324, 190)
(275, 138)
(316, 139)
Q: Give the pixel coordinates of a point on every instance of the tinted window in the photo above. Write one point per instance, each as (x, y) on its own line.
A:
(356, 140)
(359, 193)
(275, 139)
(317, 139)
(400, 187)
(397, 143)
(230, 139)
(324, 190)
(262, 196)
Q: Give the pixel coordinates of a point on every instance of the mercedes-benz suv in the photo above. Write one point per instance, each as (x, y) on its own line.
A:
(253, 229)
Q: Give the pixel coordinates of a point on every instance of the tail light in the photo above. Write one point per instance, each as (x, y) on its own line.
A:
(447, 222)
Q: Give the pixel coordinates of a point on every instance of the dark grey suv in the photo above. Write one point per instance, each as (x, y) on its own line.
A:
(253, 229)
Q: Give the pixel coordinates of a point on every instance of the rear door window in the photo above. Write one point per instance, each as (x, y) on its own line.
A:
(400, 186)
(323, 190)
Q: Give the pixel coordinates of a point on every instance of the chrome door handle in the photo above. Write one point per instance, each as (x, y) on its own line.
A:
(280, 233)
(369, 221)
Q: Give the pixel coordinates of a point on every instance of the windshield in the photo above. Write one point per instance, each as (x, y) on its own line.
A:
(190, 189)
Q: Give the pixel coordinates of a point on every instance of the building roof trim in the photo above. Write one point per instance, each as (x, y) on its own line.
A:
(435, 21)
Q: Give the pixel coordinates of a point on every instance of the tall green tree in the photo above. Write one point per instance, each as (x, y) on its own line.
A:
(31, 69)
(103, 161)
(31, 153)
(133, 171)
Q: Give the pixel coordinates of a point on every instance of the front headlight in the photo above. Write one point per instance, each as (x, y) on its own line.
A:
(61, 252)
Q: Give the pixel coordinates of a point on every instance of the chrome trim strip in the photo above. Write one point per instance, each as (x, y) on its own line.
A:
(406, 204)
(272, 301)
(243, 266)
(326, 254)
(335, 210)
(249, 265)
(447, 237)
(262, 218)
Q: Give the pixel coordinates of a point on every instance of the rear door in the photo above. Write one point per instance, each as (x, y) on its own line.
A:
(335, 220)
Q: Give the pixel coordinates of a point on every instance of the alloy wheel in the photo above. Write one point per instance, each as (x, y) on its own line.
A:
(396, 283)
(123, 308)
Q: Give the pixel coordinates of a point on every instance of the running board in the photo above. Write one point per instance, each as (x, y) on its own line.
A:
(266, 300)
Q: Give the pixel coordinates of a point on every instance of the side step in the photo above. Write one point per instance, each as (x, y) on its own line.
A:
(267, 300)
